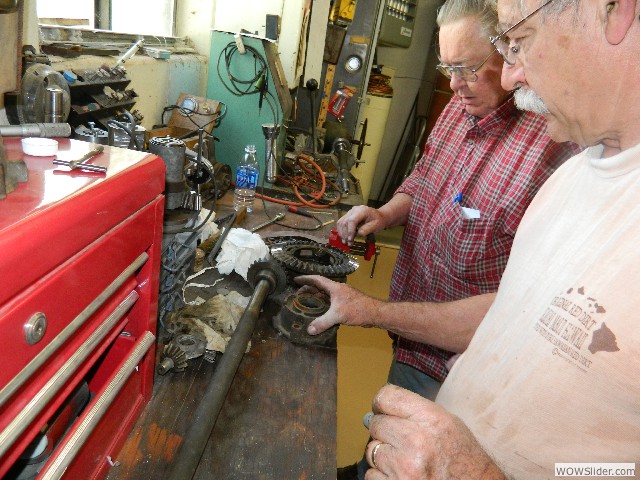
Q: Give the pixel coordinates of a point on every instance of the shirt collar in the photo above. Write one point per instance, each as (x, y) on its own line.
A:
(497, 119)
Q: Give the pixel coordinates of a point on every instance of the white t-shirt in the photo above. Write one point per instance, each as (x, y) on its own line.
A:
(553, 372)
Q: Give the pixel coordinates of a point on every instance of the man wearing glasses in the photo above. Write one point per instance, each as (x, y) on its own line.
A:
(550, 375)
(482, 164)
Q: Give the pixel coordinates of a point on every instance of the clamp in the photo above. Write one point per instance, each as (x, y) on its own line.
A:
(366, 249)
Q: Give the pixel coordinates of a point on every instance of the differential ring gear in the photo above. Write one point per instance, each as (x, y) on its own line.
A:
(312, 258)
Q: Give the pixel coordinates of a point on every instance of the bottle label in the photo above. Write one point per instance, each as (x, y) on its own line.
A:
(247, 177)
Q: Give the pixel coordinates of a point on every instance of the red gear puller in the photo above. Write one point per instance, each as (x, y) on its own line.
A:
(366, 249)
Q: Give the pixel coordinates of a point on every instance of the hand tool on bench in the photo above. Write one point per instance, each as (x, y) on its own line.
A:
(366, 249)
(81, 162)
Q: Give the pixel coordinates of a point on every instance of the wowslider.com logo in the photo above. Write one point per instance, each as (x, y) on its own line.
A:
(595, 469)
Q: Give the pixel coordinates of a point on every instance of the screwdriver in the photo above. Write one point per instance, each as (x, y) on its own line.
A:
(299, 211)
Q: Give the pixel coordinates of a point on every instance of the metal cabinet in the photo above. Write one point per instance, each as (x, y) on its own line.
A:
(78, 305)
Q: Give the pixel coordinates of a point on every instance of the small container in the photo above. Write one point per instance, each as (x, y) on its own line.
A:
(39, 147)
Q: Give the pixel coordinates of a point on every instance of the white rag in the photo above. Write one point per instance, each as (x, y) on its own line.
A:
(240, 250)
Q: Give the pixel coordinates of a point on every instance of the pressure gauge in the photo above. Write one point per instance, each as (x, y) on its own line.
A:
(353, 64)
(189, 106)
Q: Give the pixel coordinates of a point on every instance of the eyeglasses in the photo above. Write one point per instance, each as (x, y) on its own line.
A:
(502, 44)
(468, 74)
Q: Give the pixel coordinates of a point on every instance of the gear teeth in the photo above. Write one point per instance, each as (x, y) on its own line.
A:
(325, 260)
(173, 359)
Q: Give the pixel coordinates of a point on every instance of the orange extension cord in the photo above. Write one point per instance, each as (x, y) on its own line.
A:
(297, 181)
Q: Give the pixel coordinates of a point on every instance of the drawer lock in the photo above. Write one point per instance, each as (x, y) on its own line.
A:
(35, 327)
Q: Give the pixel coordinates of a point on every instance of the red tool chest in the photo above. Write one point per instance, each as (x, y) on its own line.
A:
(79, 268)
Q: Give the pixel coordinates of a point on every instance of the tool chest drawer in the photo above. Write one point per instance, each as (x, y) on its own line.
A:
(77, 333)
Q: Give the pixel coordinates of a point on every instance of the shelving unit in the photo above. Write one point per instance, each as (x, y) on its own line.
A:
(98, 95)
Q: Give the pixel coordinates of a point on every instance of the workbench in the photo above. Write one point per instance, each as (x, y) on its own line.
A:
(279, 418)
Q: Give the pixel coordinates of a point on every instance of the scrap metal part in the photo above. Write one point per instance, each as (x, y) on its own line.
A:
(271, 272)
(11, 173)
(298, 311)
(173, 359)
(312, 258)
(193, 346)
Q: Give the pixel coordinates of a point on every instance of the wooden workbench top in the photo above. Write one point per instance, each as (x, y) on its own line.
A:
(279, 417)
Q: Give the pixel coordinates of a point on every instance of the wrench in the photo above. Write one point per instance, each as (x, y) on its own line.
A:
(80, 163)
(278, 216)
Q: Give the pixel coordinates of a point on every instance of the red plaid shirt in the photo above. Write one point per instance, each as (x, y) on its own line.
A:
(497, 163)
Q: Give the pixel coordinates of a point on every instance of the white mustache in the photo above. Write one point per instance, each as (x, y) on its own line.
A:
(527, 99)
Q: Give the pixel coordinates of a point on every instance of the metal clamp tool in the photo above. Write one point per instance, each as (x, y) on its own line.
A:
(365, 249)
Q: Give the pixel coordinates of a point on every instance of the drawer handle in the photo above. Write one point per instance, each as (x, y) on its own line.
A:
(42, 357)
(31, 411)
(57, 467)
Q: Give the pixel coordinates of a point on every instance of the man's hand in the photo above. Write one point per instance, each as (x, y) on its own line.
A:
(414, 438)
(360, 220)
(348, 305)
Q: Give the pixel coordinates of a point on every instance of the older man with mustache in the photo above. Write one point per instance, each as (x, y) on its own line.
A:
(550, 365)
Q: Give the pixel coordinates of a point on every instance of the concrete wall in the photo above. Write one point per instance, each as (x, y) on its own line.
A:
(157, 82)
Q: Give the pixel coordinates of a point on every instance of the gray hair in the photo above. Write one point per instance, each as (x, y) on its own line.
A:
(485, 10)
(552, 10)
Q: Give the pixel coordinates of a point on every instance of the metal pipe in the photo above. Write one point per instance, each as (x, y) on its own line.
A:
(196, 438)
(36, 130)
(312, 86)
(54, 105)
(270, 165)
(216, 248)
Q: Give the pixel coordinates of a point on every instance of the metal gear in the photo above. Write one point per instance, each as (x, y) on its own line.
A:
(173, 359)
(271, 271)
(298, 311)
(312, 258)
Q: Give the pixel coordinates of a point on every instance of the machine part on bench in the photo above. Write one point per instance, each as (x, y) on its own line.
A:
(173, 359)
(172, 151)
(210, 355)
(266, 278)
(297, 313)
(221, 178)
(259, 270)
(36, 80)
(311, 258)
(91, 134)
(192, 345)
(12, 172)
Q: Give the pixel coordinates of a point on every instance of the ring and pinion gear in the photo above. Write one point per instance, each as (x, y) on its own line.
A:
(312, 258)
(173, 359)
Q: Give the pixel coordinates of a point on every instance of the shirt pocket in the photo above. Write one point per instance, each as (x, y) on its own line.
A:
(473, 250)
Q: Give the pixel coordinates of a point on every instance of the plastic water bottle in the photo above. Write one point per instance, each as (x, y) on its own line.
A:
(246, 179)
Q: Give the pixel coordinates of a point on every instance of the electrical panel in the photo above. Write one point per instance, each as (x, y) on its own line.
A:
(398, 18)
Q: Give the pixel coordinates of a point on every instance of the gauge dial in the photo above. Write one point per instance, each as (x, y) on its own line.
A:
(353, 64)
(189, 106)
